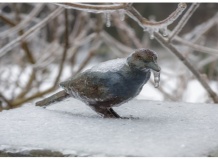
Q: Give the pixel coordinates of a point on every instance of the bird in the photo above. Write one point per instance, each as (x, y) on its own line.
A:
(109, 84)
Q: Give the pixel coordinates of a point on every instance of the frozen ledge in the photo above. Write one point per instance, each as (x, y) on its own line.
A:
(70, 128)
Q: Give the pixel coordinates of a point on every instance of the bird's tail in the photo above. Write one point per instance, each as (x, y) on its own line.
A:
(59, 96)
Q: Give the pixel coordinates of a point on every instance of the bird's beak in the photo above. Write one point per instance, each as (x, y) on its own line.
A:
(154, 66)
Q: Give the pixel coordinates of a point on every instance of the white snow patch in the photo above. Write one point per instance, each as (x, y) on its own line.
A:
(157, 129)
(111, 65)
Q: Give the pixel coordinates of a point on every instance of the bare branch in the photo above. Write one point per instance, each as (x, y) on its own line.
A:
(23, 23)
(18, 102)
(201, 29)
(109, 39)
(32, 30)
(66, 35)
(129, 31)
(6, 20)
(196, 47)
(184, 20)
(92, 52)
(5, 100)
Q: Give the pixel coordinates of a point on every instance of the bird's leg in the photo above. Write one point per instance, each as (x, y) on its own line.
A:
(104, 112)
(114, 113)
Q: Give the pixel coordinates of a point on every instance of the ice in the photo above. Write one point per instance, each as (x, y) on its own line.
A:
(156, 129)
(151, 32)
(165, 31)
(156, 78)
(111, 65)
(156, 29)
(163, 26)
(122, 14)
(108, 19)
(84, 9)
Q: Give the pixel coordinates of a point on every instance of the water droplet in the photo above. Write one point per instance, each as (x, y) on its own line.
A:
(156, 78)
(122, 14)
(108, 19)
(165, 31)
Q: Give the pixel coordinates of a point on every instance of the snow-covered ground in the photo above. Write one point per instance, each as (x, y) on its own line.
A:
(70, 127)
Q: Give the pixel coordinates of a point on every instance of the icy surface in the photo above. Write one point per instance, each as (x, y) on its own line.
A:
(111, 65)
(157, 129)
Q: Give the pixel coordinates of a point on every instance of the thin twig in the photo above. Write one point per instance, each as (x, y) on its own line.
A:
(129, 31)
(201, 29)
(18, 102)
(6, 100)
(172, 49)
(108, 38)
(66, 45)
(32, 30)
(92, 52)
(23, 23)
(197, 47)
(184, 20)
(6, 20)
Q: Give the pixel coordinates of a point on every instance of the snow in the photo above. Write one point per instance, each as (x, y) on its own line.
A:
(155, 129)
(111, 65)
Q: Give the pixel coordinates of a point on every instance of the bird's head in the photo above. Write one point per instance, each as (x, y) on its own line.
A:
(143, 59)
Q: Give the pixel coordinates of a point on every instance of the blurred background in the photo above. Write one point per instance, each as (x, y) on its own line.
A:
(42, 44)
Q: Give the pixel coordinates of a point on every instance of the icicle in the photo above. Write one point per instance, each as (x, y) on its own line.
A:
(122, 14)
(145, 29)
(151, 32)
(156, 78)
(165, 31)
(156, 29)
(108, 19)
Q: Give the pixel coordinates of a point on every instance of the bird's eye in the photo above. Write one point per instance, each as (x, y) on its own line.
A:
(155, 58)
(138, 57)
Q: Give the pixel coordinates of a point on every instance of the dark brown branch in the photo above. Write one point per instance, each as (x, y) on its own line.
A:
(7, 21)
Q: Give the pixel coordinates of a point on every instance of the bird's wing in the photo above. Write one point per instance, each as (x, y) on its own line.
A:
(88, 85)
